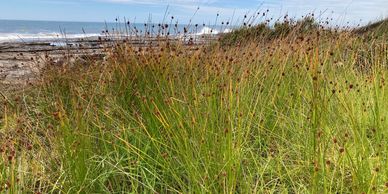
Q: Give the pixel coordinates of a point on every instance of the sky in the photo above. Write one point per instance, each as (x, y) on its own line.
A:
(342, 11)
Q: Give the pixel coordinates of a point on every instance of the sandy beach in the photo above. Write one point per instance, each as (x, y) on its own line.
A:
(21, 62)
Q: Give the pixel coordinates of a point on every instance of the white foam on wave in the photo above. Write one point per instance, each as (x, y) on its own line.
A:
(227, 30)
(207, 30)
(211, 31)
(17, 37)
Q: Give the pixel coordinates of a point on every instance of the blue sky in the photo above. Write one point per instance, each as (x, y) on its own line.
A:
(139, 11)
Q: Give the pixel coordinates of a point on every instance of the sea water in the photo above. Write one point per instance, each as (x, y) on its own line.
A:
(32, 31)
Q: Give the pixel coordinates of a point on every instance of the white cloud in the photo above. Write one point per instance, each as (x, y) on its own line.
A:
(164, 2)
(341, 11)
(206, 10)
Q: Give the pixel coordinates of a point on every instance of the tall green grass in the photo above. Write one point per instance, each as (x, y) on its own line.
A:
(300, 113)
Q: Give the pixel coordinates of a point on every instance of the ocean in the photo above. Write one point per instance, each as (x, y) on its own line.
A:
(31, 31)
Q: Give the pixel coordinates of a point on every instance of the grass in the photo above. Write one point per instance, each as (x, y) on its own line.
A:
(304, 112)
(374, 29)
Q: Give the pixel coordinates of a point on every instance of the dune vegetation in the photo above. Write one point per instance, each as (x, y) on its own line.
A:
(294, 108)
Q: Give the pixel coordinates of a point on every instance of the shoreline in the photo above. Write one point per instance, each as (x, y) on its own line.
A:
(21, 62)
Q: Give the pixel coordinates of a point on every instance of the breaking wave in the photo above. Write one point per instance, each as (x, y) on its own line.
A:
(23, 37)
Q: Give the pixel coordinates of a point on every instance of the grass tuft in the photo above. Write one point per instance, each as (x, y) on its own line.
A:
(292, 109)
